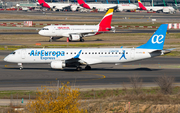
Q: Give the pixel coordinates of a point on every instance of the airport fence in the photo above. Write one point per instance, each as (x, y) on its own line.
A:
(31, 24)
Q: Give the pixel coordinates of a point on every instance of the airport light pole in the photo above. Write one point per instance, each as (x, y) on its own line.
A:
(164, 3)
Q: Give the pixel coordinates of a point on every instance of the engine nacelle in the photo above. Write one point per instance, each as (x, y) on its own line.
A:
(73, 8)
(58, 64)
(74, 37)
(119, 9)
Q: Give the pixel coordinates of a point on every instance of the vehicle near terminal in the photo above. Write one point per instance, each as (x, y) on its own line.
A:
(77, 32)
(60, 58)
(58, 6)
(105, 7)
(158, 9)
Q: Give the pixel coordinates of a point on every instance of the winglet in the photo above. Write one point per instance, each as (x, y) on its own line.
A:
(77, 56)
(157, 39)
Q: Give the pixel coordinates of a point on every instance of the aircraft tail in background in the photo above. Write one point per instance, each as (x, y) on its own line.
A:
(105, 24)
(43, 3)
(157, 39)
(141, 6)
(83, 4)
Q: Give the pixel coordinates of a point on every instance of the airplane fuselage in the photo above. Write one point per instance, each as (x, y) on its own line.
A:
(66, 30)
(88, 56)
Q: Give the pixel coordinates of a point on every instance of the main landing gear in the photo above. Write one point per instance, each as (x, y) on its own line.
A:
(88, 67)
(51, 39)
(81, 39)
(20, 66)
(79, 68)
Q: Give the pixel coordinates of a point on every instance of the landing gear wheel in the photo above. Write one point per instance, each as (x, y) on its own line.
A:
(82, 40)
(21, 68)
(50, 40)
(79, 69)
(88, 67)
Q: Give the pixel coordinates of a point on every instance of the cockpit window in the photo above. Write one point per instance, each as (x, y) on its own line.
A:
(13, 53)
(44, 29)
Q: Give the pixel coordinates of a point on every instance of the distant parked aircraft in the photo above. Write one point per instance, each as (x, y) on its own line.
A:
(158, 9)
(58, 6)
(77, 32)
(60, 58)
(105, 7)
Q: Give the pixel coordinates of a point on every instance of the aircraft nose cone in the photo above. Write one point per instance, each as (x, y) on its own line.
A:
(6, 59)
(40, 32)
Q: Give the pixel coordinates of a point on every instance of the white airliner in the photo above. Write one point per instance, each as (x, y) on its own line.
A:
(77, 32)
(60, 58)
(157, 9)
(105, 7)
(58, 6)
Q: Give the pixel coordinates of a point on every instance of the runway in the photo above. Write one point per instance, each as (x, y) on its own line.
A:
(101, 75)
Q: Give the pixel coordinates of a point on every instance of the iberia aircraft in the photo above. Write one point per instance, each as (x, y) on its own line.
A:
(77, 32)
(58, 6)
(105, 7)
(60, 58)
(157, 9)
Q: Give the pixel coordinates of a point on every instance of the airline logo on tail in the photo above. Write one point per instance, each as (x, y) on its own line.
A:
(157, 40)
(105, 24)
(141, 6)
(83, 4)
(43, 3)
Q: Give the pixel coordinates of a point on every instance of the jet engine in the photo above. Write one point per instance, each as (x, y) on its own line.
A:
(58, 64)
(74, 37)
(73, 8)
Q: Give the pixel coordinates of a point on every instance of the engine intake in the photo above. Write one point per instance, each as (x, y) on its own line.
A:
(74, 37)
(58, 64)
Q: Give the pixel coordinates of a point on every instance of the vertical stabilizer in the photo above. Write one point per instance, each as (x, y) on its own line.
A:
(105, 23)
(83, 4)
(43, 3)
(157, 39)
(141, 6)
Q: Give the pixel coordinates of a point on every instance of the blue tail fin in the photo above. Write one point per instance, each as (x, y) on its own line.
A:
(157, 39)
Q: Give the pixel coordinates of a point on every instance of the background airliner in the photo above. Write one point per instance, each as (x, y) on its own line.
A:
(105, 7)
(58, 6)
(157, 9)
(60, 58)
(77, 32)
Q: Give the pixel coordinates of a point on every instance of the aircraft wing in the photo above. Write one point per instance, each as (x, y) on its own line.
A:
(80, 34)
(83, 61)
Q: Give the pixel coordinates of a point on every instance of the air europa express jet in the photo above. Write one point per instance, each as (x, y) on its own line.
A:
(60, 58)
(77, 32)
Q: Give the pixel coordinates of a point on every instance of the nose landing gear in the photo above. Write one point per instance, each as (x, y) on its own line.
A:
(20, 66)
